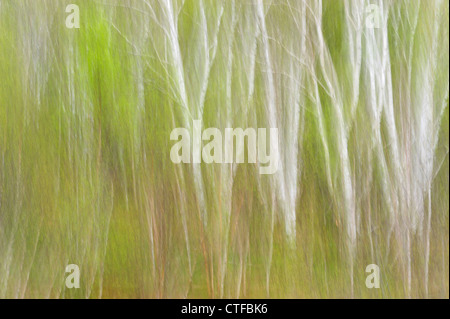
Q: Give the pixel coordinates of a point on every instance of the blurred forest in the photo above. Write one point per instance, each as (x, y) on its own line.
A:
(358, 90)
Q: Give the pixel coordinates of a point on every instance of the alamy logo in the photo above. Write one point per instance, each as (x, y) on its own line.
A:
(73, 279)
(373, 280)
(373, 18)
(73, 19)
(215, 152)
